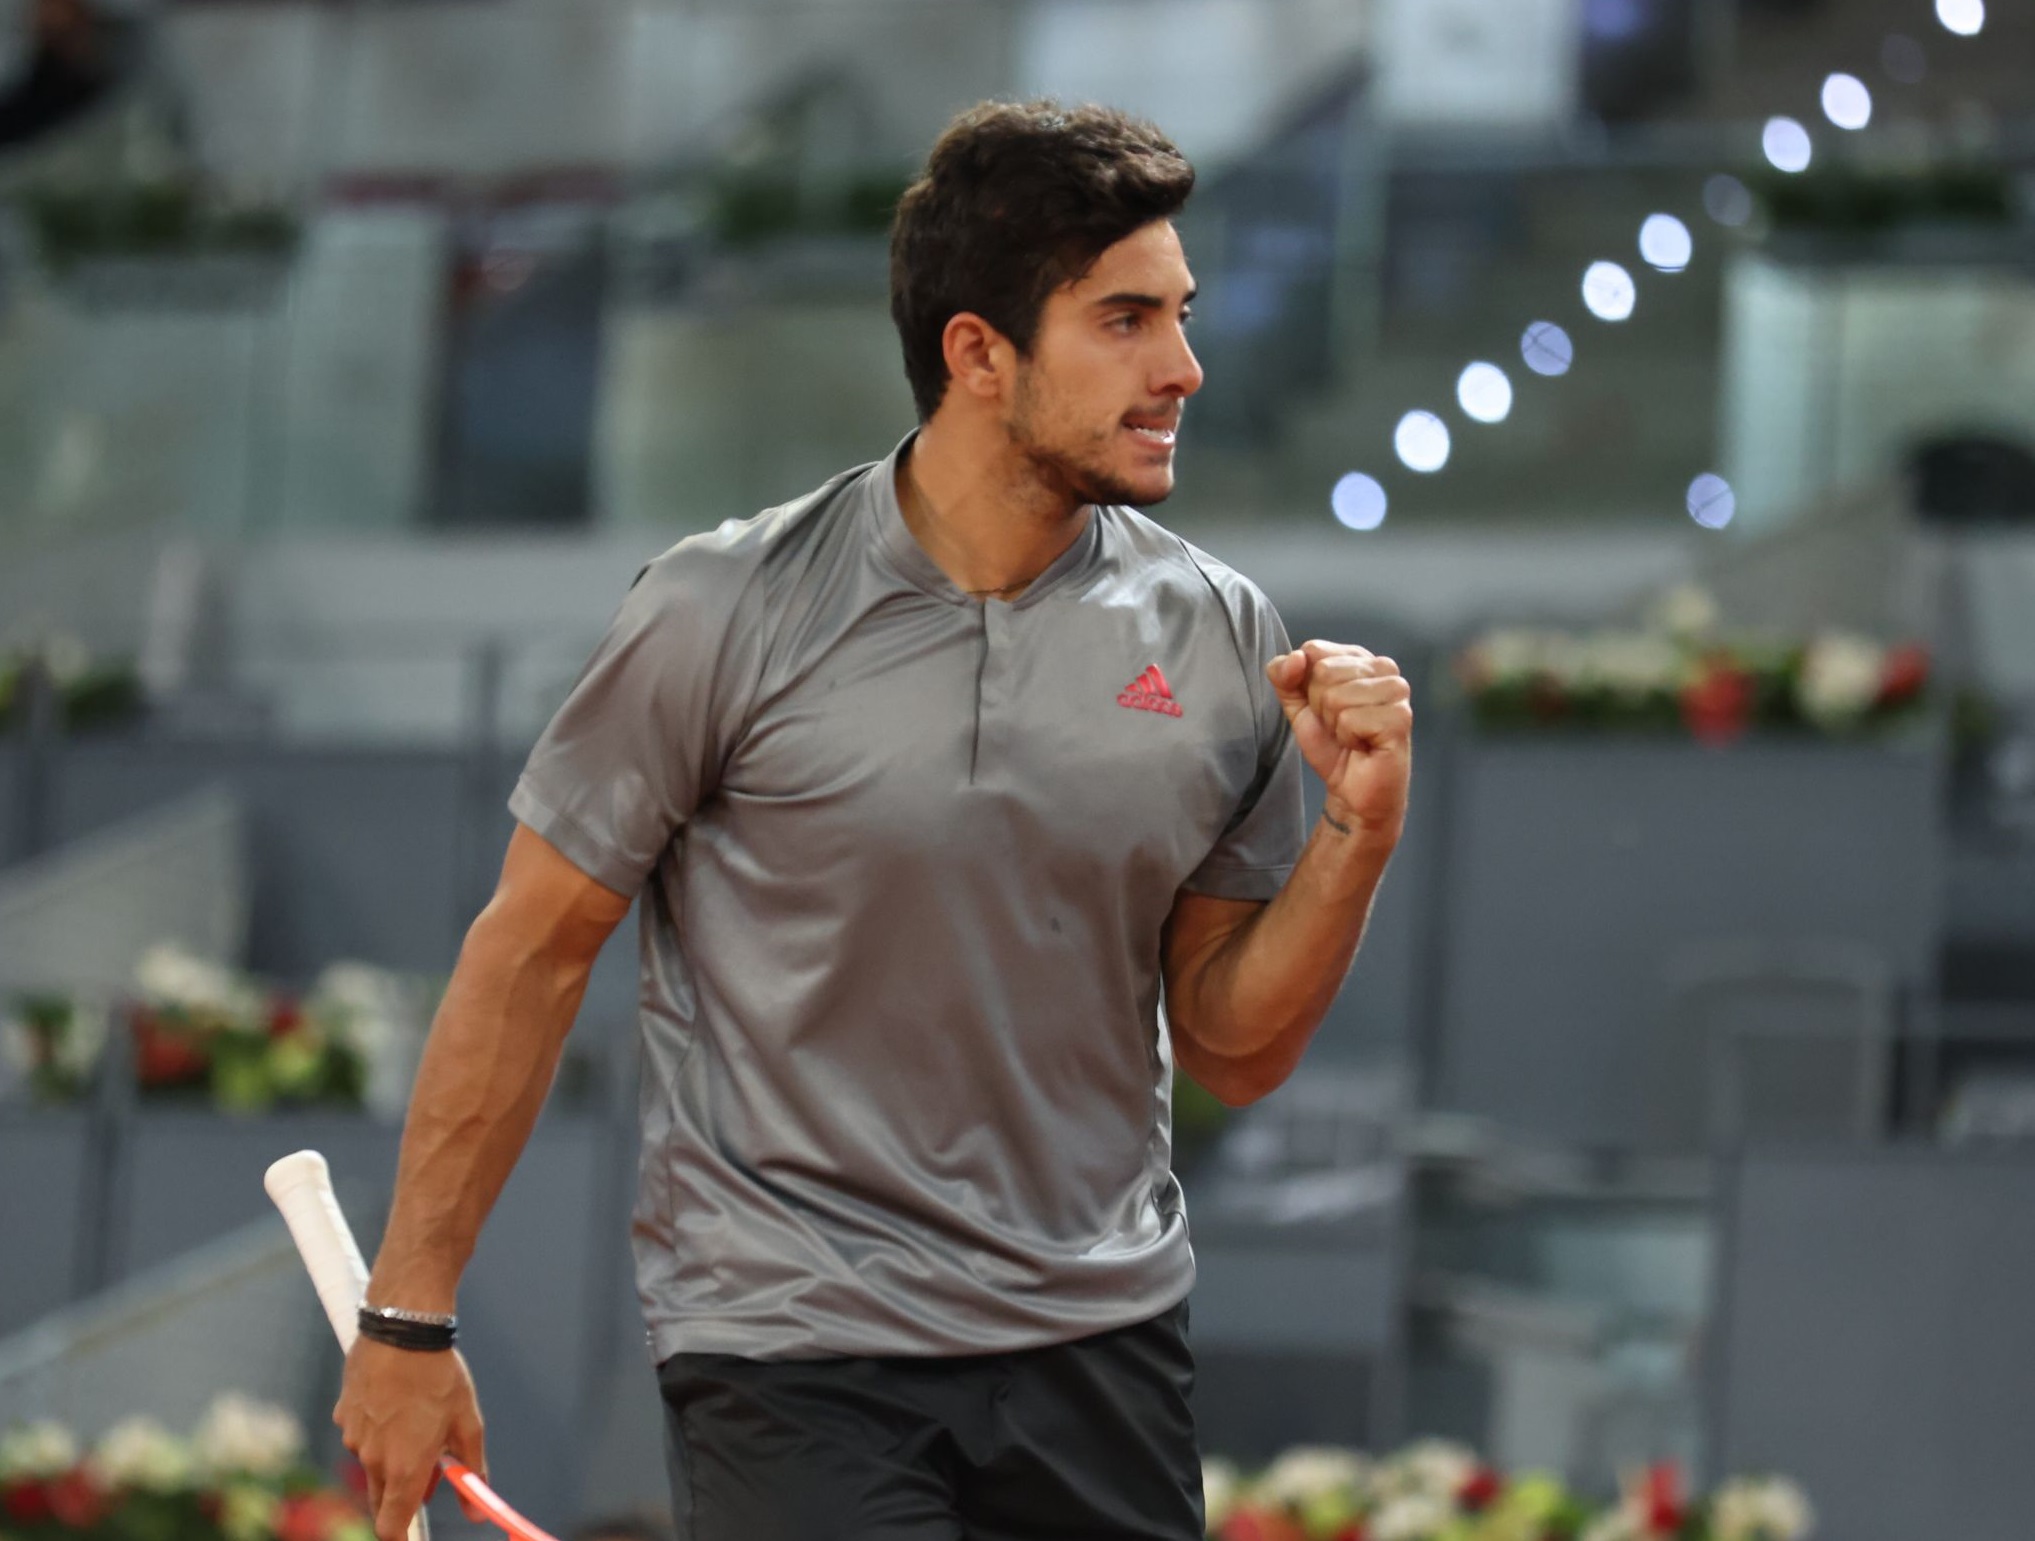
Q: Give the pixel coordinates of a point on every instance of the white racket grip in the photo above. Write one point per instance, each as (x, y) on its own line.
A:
(301, 1186)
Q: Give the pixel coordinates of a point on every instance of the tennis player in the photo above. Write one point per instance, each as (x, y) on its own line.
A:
(961, 802)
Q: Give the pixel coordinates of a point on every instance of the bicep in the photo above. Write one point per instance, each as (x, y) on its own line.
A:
(544, 903)
(1199, 928)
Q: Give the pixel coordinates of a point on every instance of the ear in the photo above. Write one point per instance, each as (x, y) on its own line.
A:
(980, 359)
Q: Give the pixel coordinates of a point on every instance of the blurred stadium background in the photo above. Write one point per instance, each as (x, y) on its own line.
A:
(1655, 378)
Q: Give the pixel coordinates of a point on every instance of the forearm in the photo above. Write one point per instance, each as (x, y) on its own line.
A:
(1255, 1000)
(486, 1069)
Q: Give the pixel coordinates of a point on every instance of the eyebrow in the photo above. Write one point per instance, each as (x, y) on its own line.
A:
(1142, 301)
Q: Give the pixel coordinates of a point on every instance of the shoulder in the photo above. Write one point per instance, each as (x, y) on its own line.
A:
(738, 563)
(1191, 576)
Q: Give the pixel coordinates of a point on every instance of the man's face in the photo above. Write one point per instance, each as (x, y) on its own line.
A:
(1096, 405)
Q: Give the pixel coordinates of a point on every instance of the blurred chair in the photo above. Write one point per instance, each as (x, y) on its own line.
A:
(1786, 1038)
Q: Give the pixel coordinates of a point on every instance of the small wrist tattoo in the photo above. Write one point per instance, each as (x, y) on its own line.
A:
(1334, 823)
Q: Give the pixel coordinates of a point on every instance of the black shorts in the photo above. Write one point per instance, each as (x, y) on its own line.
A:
(1087, 1439)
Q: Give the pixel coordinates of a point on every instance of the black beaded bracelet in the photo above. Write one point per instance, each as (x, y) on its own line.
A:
(402, 1331)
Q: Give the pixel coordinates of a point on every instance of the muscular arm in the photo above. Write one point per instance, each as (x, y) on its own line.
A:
(486, 1070)
(1248, 983)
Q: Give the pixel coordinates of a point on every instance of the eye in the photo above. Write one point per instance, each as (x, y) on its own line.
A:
(1186, 314)
(1126, 323)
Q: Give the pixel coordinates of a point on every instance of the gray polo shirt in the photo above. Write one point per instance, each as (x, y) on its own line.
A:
(904, 859)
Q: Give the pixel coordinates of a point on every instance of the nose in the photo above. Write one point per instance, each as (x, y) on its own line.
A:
(1179, 373)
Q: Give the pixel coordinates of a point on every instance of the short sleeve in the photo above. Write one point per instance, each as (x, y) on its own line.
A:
(639, 742)
(1262, 842)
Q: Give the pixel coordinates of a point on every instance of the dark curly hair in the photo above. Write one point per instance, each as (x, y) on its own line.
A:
(1017, 199)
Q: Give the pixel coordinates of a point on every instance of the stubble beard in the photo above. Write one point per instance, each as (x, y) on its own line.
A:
(1068, 474)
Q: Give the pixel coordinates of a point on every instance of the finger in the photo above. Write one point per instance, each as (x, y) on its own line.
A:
(1328, 693)
(1317, 745)
(1390, 691)
(468, 1445)
(1317, 650)
(402, 1495)
(1373, 727)
(1288, 673)
(1352, 666)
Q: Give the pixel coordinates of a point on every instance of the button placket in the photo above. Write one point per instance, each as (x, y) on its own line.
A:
(992, 682)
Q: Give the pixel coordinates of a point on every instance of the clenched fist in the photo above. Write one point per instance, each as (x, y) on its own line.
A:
(1352, 716)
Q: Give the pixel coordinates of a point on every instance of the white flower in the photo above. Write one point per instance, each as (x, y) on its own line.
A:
(18, 1044)
(240, 1434)
(1435, 1467)
(379, 1015)
(1761, 1509)
(1221, 1485)
(1306, 1472)
(1619, 1524)
(169, 976)
(1512, 656)
(140, 1453)
(1688, 611)
(1840, 678)
(363, 1006)
(1411, 1517)
(36, 1451)
(78, 1046)
(1631, 664)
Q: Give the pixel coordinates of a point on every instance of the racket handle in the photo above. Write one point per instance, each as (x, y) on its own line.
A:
(301, 1186)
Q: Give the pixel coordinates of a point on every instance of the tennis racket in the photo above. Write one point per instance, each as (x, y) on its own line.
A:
(301, 1186)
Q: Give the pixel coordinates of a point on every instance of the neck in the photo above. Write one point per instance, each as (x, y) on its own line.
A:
(981, 512)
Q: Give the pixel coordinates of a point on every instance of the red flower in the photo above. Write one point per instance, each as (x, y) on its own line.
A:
(285, 1017)
(1660, 1497)
(1546, 699)
(1717, 704)
(1251, 1524)
(26, 1503)
(165, 1056)
(1904, 673)
(75, 1499)
(1480, 1489)
(1354, 1531)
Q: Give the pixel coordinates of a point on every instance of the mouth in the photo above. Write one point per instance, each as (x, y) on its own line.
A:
(1157, 432)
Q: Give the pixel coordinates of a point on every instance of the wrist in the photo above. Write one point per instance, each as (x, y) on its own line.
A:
(1349, 828)
(416, 1331)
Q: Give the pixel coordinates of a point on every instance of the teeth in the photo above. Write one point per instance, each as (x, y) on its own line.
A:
(1156, 435)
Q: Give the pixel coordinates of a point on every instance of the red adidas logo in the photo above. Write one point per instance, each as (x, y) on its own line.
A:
(1148, 693)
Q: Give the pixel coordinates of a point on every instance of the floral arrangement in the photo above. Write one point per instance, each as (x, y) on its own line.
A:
(1437, 1491)
(240, 1476)
(202, 1029)
(1682, 673)
(91, 692)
